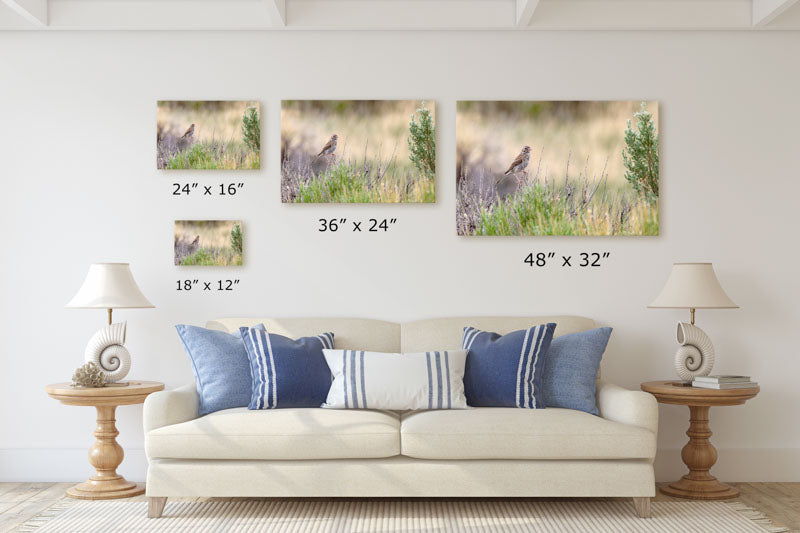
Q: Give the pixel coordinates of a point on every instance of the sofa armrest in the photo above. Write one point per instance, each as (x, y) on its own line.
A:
(169, 407)
(632, 407)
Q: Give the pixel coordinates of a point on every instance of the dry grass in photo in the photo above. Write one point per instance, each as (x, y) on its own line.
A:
(557, 168)
(208, 135)
(208, 242)
(358, 151)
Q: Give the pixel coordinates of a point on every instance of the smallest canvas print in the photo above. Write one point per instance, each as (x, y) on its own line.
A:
(202, 135)
(208, 242)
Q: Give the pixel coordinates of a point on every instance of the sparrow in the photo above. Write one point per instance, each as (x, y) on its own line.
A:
(188, 133)
(521, 162)
(330, 146)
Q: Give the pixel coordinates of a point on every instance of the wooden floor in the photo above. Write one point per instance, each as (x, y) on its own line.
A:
(21, 501)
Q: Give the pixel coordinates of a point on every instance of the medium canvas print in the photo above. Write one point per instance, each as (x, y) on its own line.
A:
(557, 168)
(358, 151)
(208, 242)
(200, 135)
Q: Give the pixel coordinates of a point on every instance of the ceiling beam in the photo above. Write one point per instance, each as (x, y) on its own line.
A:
(642, 15)
(277, 10)
(528, 15)
(400, 14)
(765, 11)
(34, 11)
(163, 15)
(525, 9)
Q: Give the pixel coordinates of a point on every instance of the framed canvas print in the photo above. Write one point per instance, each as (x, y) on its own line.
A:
(201, 135)
(358, 151)
(557, 168)
(208, 242)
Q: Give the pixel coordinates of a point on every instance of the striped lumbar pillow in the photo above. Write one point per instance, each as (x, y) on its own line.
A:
(506, 370)
(286, 372)
(375, 380)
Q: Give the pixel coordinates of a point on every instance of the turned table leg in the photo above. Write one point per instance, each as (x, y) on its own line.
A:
(105, 455)
(699, 455)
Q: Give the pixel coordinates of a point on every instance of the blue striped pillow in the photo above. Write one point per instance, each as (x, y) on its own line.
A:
(377, 380)
(506, 371)
(286, 372)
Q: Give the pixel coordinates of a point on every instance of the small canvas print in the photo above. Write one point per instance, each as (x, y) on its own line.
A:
(219, 135)
(557, 168)
(358, 151)
(208, 242)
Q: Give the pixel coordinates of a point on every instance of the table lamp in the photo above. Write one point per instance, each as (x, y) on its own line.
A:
(693, 286)
(109, 286)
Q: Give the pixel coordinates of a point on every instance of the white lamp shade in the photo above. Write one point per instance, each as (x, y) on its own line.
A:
(109, 286)
(693, 286)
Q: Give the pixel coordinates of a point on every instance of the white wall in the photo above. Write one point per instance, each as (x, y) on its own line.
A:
(77, 160)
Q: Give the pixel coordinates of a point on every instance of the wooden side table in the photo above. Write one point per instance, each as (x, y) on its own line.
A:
(106, 454)
(698, 454)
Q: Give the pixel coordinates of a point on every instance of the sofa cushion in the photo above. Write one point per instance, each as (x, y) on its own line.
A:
(398, 381)
(279, 434)
(286, 372)
(351, 333)
(570, 370)
(506, 370)
(447, 333)
(220, 365)
(509, 433)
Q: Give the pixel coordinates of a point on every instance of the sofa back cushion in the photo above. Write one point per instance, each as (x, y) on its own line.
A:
(416, 336)
(446, 333)
(351, 333)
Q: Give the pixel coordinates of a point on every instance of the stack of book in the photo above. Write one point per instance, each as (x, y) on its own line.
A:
(723, 382)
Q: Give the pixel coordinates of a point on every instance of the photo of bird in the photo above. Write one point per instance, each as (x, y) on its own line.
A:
(227, 133)
(189, 133)
(516, 171)
(521, 162)
(330, 146)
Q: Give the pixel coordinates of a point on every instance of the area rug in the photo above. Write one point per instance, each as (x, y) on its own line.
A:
(565, 516)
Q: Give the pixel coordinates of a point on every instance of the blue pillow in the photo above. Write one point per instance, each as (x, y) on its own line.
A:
(506, 371)
(286, 372)
(220, 365)
(571, 369)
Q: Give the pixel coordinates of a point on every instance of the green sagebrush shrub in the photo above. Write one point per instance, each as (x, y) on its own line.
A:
(236, 239)
(640, 154)
(251, 129)
(422, 141)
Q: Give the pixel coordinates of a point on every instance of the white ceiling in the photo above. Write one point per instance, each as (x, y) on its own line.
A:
(399, 14)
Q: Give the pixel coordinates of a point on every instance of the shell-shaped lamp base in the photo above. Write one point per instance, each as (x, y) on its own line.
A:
(106, 349)
(695, 357)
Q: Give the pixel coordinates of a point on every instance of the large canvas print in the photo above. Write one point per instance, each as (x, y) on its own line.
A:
(358, 151)
(557, 168)
(222, 135)
(208, 242)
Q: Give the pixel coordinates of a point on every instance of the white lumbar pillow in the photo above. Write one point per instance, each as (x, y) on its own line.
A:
(396, 381)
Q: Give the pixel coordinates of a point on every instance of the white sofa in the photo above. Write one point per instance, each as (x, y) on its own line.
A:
(480, 452)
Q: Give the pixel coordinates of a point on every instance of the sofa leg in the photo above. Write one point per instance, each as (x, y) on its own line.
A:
(642, 506)
(155, 506)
